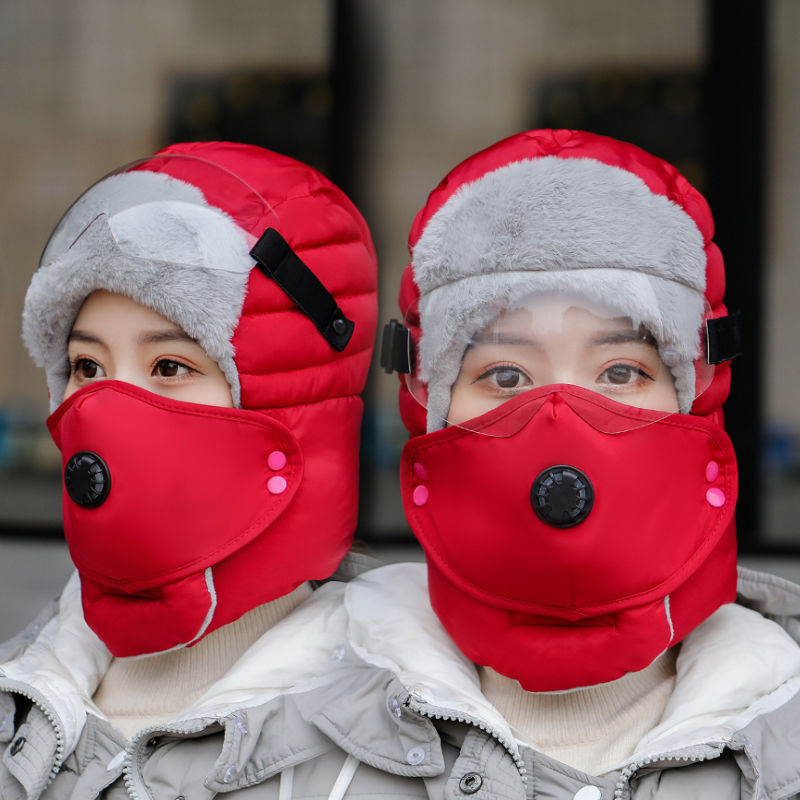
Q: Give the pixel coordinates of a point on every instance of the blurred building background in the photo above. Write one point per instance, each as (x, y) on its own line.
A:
(385, 96)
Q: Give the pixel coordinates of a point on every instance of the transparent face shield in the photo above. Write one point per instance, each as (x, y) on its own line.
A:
(151, 207)
(555, 338)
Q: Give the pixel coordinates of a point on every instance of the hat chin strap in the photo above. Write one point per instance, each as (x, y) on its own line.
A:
(280, 263)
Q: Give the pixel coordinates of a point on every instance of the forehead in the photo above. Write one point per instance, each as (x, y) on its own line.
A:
(113, 320)
(557, 317)
(103, 309)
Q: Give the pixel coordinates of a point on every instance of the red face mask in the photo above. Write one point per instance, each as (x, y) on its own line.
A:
(157, 493)
(571, 539)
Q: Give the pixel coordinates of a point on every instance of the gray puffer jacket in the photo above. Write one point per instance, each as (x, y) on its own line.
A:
(731, 728)
(359, 693)
(283, 722)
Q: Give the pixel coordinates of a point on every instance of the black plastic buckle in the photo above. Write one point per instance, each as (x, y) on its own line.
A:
(724, 338)
(396, 352)
(281, 264)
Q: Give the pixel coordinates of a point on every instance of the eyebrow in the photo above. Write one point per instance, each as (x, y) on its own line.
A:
(76, 335)
(619, 337)
(171, 335)
(622, 337)
(504, 338)
(152, 337)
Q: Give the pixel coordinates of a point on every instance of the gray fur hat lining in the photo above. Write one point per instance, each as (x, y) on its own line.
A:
(155, 240)
(547, 225)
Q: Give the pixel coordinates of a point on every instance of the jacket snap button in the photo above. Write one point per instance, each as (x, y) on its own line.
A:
(470, 783)
(588, 793)
(415, 756)
(17, 745)
(397, 709)
(338, 653)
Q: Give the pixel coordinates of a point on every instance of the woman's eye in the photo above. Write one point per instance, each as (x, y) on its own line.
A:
(506, 377)
(620, 374)
(86, 369)
(166, 368)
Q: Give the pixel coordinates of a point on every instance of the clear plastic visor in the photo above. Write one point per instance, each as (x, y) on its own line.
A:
(553, 338)
(153, 210)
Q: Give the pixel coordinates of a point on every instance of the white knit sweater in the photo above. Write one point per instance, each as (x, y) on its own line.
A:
(591, 729)
(138, 692)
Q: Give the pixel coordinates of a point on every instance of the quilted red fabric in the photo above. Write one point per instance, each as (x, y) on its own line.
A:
(288, 371)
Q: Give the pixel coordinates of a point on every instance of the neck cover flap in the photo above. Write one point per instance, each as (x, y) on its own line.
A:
(157, 493)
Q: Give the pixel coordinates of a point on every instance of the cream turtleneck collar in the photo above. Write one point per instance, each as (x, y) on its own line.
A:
(591, 729)
(138, 692)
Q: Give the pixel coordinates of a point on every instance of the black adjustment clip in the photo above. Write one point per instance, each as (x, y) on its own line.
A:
(724, 338)
(281, 264)
(396, 352)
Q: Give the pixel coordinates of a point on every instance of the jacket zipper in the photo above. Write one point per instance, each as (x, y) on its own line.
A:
(434, 712)
(623, 784)
(15, 687)
(134, 785)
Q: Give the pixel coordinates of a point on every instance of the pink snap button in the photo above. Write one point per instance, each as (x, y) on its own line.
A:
(715, 497)
(276, 484)
(276, 460)
(712, 471)
(420, 495)
(420, 470)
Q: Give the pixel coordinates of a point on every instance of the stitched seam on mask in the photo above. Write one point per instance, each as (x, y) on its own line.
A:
(212, 593)
(669, 619)
(212, 412)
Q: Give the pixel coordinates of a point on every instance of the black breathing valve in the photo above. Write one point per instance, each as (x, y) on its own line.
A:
(87, 479)
(562, 496)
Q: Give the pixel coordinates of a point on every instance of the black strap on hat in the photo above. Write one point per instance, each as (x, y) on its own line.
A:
(281, 264)
(397, 354)
(723, 338)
